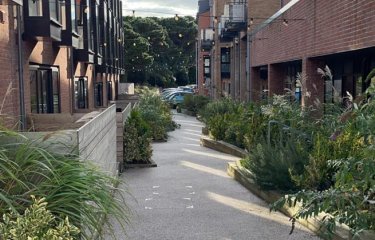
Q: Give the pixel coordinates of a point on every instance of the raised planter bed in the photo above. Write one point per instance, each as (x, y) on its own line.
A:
(243, 176)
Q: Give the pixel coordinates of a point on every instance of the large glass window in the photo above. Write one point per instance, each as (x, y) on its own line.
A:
(54, 9)
(80, 8)
(44, 90)
(81, 97)
(293, 70)
(225, 62)
(35, 8)
(90, 25)
(98, 94)
(73, 15)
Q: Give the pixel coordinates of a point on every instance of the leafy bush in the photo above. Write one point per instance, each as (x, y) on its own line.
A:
(351, 199)
(273, 165)
(137, 139)
(219, 107)
(157, 115)
(194, 103)
(72, 187)
(36, 223)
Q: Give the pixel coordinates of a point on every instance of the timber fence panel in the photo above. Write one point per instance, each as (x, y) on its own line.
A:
(97, 141)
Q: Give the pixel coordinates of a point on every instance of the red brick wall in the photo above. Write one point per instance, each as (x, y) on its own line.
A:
(203, 23)
(328, 27)
(45, 52)
(9, 103)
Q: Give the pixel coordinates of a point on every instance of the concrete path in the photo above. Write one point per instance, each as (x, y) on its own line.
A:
(190, 196)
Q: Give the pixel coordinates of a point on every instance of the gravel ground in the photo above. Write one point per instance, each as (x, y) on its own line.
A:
(189, 196)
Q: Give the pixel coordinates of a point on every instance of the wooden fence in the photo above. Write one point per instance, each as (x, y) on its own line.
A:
(121, 119)
(97, 141)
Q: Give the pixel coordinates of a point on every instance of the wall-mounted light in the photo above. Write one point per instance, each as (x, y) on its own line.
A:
(215, 20)
(251, 21)
(286, 22)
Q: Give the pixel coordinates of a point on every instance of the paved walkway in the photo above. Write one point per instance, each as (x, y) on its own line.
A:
(189, 196)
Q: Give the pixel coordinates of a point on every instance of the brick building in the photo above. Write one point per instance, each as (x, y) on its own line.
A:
(305, 35)
(287, 39)
(64, 57)
(205, 43)
(230, 22)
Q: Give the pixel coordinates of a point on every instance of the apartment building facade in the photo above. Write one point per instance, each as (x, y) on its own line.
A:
(66, 57)
(230, 22)
(306, 35)
(286, 42)
(205, 43)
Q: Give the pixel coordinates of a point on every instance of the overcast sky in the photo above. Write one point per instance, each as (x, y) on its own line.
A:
(160, 8)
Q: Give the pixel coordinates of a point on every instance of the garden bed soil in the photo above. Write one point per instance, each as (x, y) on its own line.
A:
(151, 163)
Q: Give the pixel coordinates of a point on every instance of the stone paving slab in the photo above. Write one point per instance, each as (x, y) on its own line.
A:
(190, 196)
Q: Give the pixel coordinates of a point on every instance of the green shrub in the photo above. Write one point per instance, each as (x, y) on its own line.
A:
(219, 107)
(72, 187)
(273, 165)
(194, 103)
(351, 198)
(36, 223)
(137, 139)
(157, 115)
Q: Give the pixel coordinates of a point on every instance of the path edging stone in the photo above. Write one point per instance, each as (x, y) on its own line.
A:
(222, 146)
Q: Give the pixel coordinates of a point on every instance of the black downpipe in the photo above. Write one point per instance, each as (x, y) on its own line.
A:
(22, 126)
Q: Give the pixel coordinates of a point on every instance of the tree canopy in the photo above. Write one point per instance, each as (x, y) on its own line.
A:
(160, 51)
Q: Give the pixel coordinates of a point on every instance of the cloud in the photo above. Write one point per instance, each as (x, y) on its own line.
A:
(160, 8)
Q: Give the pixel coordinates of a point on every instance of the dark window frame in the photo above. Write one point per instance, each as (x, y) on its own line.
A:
(45, 89)
(225, 56)
(98, 94)
(81, 93)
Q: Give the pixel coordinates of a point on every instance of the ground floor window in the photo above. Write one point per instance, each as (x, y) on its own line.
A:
(109, 91)
(98, 92)
(292, 80)
(225, 62)
(81, 98)
(44, 89)
(349, 74)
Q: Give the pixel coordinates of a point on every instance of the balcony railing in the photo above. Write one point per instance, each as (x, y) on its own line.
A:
(207, 36)
(233, 20)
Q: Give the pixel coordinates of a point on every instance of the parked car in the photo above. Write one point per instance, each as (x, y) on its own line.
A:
(177, 98)
(187, 89)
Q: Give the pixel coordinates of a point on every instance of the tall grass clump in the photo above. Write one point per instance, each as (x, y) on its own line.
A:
(73, 188)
